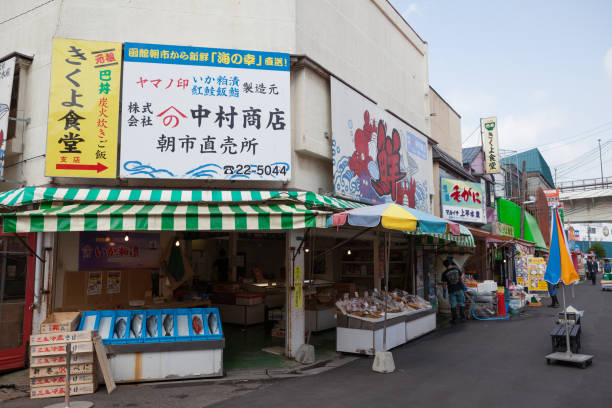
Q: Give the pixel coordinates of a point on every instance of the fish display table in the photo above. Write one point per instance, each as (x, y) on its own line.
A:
(365, 336)
(157, 344)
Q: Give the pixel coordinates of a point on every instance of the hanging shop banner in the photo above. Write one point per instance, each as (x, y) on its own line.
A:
(490, 145)
(376, 157)
(505, 230)
(205, 113)
(462, 201)
(117, 250)
(552, 197)
(83, 109)
(7, 72)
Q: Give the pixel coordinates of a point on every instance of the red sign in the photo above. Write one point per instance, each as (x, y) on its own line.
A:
(552, 197)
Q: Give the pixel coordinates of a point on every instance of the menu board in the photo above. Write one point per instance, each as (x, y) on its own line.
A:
(536, 268)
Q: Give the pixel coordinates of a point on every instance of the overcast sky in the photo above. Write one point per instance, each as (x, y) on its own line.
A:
(544, 68)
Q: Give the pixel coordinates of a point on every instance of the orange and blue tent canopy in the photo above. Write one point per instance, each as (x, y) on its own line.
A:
(560, 266)
(394, 216)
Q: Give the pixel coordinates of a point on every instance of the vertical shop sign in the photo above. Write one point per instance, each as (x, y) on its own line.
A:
(83, 109)
(298, 284)
(462, 201)
(490, 144)
(376, 157)
(552, 197)
(7, 72)
(205, 113)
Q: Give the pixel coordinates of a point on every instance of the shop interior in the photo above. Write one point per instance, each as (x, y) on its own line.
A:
(241, 273)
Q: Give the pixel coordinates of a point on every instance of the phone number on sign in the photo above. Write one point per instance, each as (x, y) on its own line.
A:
(248, 170)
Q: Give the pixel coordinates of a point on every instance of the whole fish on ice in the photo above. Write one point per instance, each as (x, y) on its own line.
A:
(168, 325)
(196, 323)
(152, 326)
(213, 325)
(120, 326)
(136, 326)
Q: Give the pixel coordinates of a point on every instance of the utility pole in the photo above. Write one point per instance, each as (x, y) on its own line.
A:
(523, 198)
(600, 162)
(555, 177)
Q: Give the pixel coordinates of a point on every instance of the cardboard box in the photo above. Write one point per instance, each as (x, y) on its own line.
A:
(61, 380)
(50, 361)
(61, 337)
(60, 390)
(61, 322)
(75, 369)
(58, 349)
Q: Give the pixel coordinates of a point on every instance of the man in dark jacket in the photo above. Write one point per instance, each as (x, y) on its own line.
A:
(453, 278)
(592, 269)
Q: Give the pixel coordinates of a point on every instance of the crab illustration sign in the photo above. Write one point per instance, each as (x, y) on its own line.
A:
(205, 113)
(377, 158)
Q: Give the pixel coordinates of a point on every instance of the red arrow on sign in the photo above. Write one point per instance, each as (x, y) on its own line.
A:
(98, 167)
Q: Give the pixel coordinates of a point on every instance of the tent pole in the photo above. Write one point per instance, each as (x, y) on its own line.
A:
(387, 250)
(567, 336)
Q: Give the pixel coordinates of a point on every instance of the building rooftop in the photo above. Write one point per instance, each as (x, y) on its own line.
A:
(534, 163)
(442, 156)
(470, 153)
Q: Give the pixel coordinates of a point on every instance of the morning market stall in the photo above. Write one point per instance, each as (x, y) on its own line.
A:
(146, 269)
(382, 320)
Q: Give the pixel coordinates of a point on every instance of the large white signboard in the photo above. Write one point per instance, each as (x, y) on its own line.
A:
(7, 71)
(377, 158)
(205, 113)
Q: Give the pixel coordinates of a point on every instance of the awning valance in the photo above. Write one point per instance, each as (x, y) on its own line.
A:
(465, 240)
(164, 217)
(40, 195)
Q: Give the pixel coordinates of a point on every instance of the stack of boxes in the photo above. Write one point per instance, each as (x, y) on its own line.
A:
(48, 359)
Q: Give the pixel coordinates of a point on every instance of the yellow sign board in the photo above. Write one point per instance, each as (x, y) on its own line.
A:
(83, 109)
(536, 268)
(298, 284)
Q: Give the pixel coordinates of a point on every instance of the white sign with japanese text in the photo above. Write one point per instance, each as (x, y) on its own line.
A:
(7, 71)
(205, 113)
(490, 145)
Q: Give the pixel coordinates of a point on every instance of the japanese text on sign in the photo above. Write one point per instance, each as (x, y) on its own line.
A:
(208, 113)
(488, 131)
(462, 201)
(83, 109)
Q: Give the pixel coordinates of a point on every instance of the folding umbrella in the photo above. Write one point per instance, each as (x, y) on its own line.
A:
(392, 216)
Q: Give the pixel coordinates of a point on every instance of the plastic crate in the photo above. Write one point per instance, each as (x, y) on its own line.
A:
(163, 338)
(215, 312)
(148, 314)
(197, 313)
(120, 314)
(104, 324)
(89, 321)
(182, 325)
(132, 337)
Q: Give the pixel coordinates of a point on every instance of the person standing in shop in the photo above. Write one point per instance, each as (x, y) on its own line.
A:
(592, 269)
(453, 280)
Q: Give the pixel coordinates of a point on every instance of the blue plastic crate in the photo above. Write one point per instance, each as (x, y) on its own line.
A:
(158, 330)
(120, 314)
(163, 338)
(104, 324)
(132, 337)
(86, 318)
(197, 313)
(218, 335)
(182, 325)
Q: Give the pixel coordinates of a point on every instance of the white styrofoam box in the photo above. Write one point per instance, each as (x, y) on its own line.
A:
(361, 341)
(421, 326)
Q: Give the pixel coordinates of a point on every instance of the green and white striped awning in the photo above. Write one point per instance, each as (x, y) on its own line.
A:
(164, 217)
(40, 195)
(465, 241)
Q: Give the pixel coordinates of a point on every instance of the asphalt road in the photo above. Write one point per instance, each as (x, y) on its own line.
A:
(475, 364)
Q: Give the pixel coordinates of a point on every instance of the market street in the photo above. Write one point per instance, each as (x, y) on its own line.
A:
(473, 365)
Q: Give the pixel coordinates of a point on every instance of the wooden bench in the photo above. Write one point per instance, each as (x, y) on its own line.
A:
(557, 337)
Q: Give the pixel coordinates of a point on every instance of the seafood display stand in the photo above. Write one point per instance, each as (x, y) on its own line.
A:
(158, 344)
(362, 335)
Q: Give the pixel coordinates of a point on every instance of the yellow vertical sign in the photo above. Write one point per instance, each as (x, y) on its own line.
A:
(83, 109)
(298, 284)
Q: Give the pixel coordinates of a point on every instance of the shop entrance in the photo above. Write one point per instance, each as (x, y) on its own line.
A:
(16, 295)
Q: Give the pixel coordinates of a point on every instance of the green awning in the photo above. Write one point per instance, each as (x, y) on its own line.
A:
(464, 241)
(40, 195)
(510, 213)
(165, 217)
